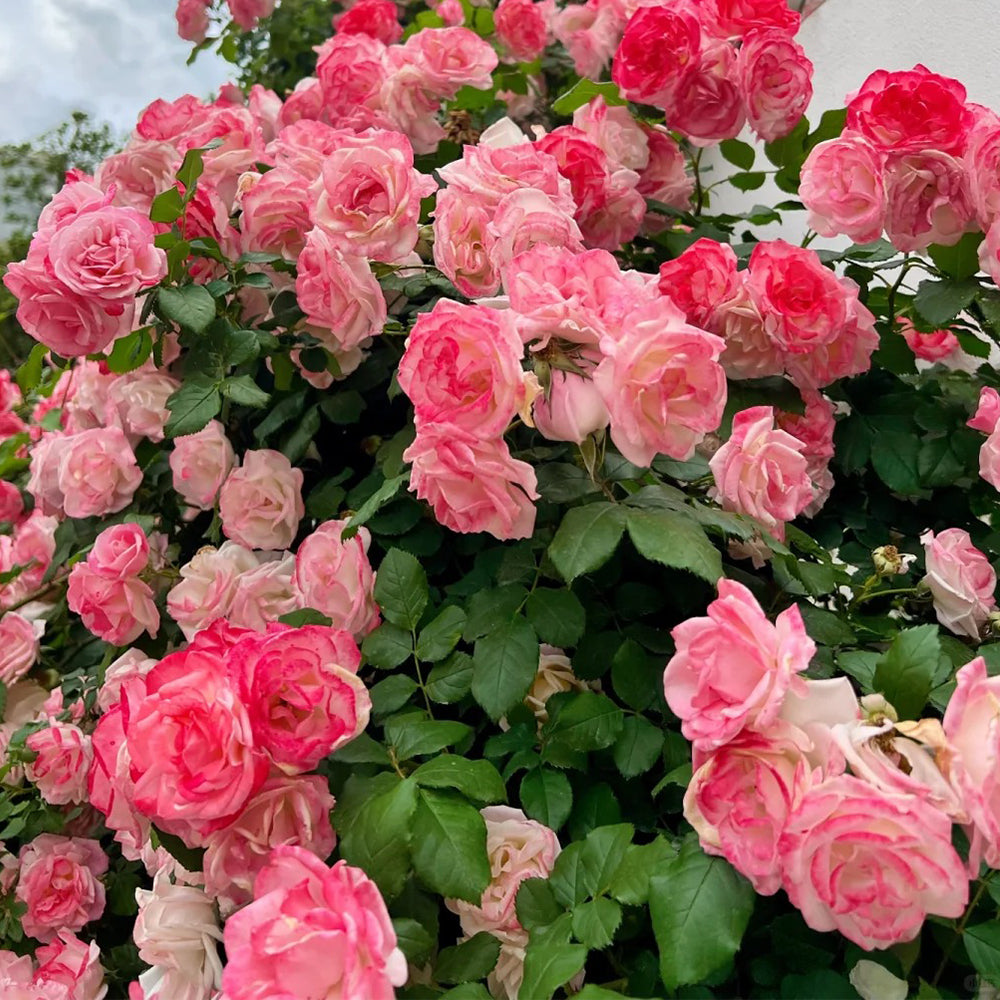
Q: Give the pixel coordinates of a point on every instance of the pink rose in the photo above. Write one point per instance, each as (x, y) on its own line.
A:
(200, 463)
(982, 159)
(989, 254)
(338, 291)
(71, 965)
(463, 244)
(665, 177)
(662, 383)
(116, 609)
(275, 214)
(616, 132)
(11, 503)
(961, 580)
(910, 111)
(141, 399)
(971, 727)
(194, 758)
(525, 218)
(762, 472)
(843, 188)
(133, 663)
(570, 409)
(32, 548)
(927, 200)
(518, 849)
(815, 429)
(368, 195)
(732, 18)
(60, 884)
(286, 810)
(246, 13)
(20, 643)
(264, 594)
(591, 33)
(141, 171)
(732, 669)
(709, 106)
(933, 346)
(376, 18)
(121, 550)
(870, 865)
(261, 502)
(63, 760)
(582, 162)
(987, 414)
(452, 58)
(657, 52)
(522, 28)
(335, 577)
(312, 928)
(192, 20)
(473, 484)
(301, 691)
(742, 793)
(350, 71)
(775, 79)
(207, 586)
(702, 278)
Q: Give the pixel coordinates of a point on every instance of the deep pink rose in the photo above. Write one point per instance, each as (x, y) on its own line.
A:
(961, 580)
(200, 463)
(473, 484)
(350, 71)
(732, 18)
(335, 577)
(19, 645)
(71, 965)
(656, 55)
(775, 79)
(927, 200)
(116, 609)
(662, 383)
(261, 502)
(522, 28)
(870, 865)
(582, 162)
(709, 106)
(376, 18)
(286, 810)
(60, 768)
(665, 178)
(701, 279)
(312, 930)
(732, 669)
(462, 244)
(60, 884)
(935, 345)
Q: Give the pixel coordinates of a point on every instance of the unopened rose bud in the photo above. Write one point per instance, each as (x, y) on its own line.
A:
(876, 708)
(888, 561)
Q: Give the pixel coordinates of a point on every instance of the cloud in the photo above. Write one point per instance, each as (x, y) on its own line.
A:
(107, 57)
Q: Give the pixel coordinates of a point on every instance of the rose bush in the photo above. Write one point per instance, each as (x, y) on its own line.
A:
(440, 556)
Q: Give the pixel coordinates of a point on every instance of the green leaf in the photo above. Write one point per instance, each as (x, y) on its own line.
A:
(244, 391)
(401, 589)
(739, 154)
(391, 694)
(557, 616)
(440, 636)
(937, 463)
(582, 93)
(414, 940)
(961, 260)
(595, 923)
(449, 846)
(477, 780)
(412, 736)
(634, 677)
(894, 458)
(673, 539)
(592, 992)
(305, 616)
(570, 881)
(638, 747)
(190, 306)
(450, 681)
(549, 966)
(939, 302)
(361, 750)
(192, 406)
(130, 351)
(491, 608)
(587, 538)
(603, 851)
(388, 646)
(536, 904)
(468, 961)
(748, 182)
(467, 991)
(190, 170)
(904, 674)
(30, 373)
(583, 720)
(192, 858)
(504, 664)
(700, 908)
(167, 206)
(982, 942)
(383, 495)
(630, 883)
(546, 796)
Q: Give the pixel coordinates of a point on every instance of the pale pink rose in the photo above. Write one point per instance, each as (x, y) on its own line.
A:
(177, 931)
(843, 188)
(96, 472)
(750, 352)
(933, 346)
(11, 503)
(141, 171)
(246, 13)
(261, 502)
(63, 759)
(20, 643)
(119, 551)
(709, 107)
(304, 104)
(662, 384)
(522, 28)
(452, 58)
(337, 291)
(312, 928)
(989, 256)
(700, 280)
(616, 132)
(658, 55)
(264, 594)
(116, 609)
(410, 104)
(665, 178)
(961, 580)
(193, 754)
(570, 409)
(133, 663)
(973, 734)
(525, 218)
(733, 669)
(200, 463)
(987, 414)
(450, 11)
(16, 971)
(275, 216)
(590, 32)
(368, 195)
(31, 548)
(286, 810)
(870, 865)
(741, 794)
(71, 965)
(462, 244)
(60, 884)
(775, 80)
(982, 159)
(265, 106)
(141, 398)
(473, 484)
(518, 848)
(301, 690)
(335, 577)
(207, 586)
(927, 200)
(462, 366)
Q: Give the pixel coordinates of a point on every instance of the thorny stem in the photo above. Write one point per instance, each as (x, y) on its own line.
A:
(699, 191)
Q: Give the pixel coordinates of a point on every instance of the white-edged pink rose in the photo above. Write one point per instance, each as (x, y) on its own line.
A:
(200, 463)
(261, 502)
(207, 586)
(264, 594)
(59, 770)
(775, 80)
(961, 580)
(20, 643)
(69, 967)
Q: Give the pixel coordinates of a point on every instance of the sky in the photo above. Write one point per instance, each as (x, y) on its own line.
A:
(107, 57)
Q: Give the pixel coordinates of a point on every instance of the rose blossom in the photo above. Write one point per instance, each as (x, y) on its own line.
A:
(261, 502)
(200, 463)
(141, 399)
(462, 244)
(761, 471)
(571, 408)
(989, 253)
(207, 586)
(11, 502)
(117, 609)
(654, 60)
(301, 691)
(525, 218)
(870, 865)
(615, 131)
(665, 177)
(701, 279)
(275, 211)
(63, 759)
(334, 576)
(121, 550)
(286, 810)
(732, 669)
(728, 18)
(133, 663)
(71, 965)
(987, 414)
(473, 484)
(961, 580)
(927, 200)
(312, 929)
(20, 644)
(377, 18)
(452, 58)
(264, 594)
(192, 20)
(709, 106)
(935, 345)
(60, 884)
(522, 28)
(775, 80)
